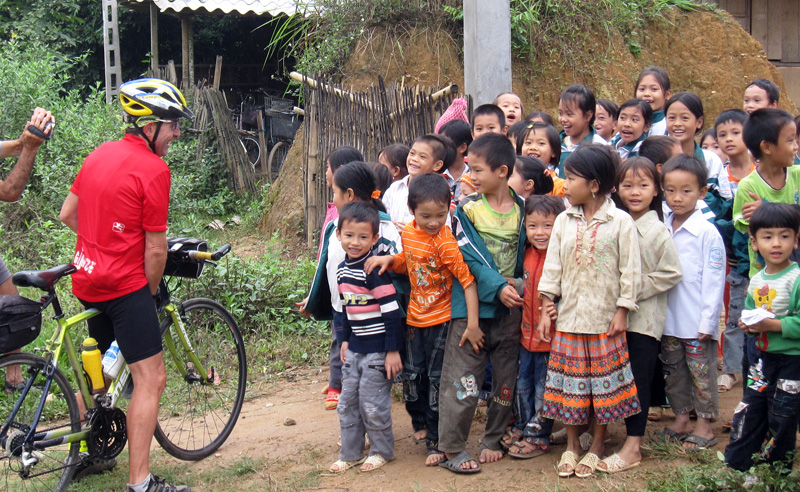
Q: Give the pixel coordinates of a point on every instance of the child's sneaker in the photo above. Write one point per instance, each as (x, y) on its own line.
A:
(332, 400)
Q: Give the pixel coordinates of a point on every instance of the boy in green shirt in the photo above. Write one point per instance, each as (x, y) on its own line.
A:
(771, 402)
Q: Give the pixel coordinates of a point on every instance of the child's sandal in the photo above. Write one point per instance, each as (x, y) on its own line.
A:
(332, 400)
(343, 466)
(511, 436)
(376, 461)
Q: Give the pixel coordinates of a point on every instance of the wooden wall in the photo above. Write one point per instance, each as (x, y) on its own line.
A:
(774, 23)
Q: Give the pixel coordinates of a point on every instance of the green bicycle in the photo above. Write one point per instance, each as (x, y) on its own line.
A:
(206, 376)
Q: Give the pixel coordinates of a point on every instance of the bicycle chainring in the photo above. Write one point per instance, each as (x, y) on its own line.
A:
(108, 434)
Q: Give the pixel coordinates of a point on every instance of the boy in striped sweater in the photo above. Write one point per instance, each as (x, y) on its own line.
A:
(371, 339)
(431, 258)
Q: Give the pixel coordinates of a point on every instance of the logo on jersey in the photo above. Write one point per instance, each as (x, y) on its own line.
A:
(118, 227)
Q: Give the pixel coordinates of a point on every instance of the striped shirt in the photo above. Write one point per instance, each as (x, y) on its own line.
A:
(372, 321)
(431, 262)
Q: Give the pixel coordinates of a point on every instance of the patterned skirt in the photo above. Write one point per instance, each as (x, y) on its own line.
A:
(589, 376)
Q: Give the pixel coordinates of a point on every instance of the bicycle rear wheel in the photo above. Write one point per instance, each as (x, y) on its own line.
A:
(54, 465)
(252, 149)
(276, 157)
(198, 413)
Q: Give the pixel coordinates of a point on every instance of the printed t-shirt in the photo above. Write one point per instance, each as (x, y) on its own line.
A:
(499, 231)
(430, 261)
(123, 192)
(754, 183)
(778, 293)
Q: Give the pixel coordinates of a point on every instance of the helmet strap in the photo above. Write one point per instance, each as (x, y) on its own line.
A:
(150, 143)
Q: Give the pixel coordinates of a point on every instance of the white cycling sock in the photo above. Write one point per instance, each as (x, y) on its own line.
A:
(141, 486)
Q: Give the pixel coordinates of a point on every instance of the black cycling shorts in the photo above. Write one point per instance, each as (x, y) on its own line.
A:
(132, 321)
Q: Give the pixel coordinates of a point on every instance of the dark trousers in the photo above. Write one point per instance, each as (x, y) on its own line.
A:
(769, 411)
(462, 377)
(422, 371)
(643, 352)
(334, 357)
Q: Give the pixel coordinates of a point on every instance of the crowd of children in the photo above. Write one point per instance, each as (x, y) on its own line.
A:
(577, 276)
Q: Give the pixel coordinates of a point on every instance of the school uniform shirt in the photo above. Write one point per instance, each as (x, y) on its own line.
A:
(778, 293)
(396, 201)
(627, 151)
(694, 305)
(661, 271)
(659, 125)
(593, 264)
(567, 148)
(430, 261)
(754, 183)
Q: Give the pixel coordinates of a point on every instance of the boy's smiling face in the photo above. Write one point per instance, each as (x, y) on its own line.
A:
(775, 244)
(538, 228)
(421, 160)
(484, 178)
(756, 98)
(357, 238)
(784, 151)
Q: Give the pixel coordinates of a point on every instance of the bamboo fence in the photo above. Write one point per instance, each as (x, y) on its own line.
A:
(369, 120)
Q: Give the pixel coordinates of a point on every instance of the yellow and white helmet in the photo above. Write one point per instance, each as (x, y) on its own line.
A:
(153, 100)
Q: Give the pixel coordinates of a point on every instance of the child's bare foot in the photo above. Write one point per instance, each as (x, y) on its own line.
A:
(490, 456)
(421, 435)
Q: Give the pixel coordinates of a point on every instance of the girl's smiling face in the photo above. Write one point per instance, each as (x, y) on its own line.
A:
(574, 121)
(603, 124)
(631, 124)
(637, 191)
(651, 91)
(682, 123)
(537, 145)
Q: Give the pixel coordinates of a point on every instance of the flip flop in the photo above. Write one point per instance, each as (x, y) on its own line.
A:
(701, 442)
(454, 464)
(511, 436)
(524, 444)
(424, 439)
(567, 458)
(589, 460)
(615, 464)
(376, 461)
(343, 466)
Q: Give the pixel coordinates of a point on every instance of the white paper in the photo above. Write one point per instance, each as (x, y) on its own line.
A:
(753, 316)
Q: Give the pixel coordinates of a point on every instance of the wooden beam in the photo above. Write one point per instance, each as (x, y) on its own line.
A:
(217, 72)
(790, 44)
(187, 51)
(154, 40)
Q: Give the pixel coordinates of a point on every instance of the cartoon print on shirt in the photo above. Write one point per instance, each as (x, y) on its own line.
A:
(764, 297)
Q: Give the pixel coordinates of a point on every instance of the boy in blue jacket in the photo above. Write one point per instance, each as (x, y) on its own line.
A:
(489, 227)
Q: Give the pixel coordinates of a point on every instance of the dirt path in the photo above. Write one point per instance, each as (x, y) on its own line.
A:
(296, 457)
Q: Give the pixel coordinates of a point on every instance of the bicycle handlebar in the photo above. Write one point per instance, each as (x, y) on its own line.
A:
(209, 256)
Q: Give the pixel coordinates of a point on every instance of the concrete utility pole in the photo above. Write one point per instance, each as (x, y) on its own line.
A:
(487, 49)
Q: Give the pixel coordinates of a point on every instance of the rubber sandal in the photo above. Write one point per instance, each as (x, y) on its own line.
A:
(526, 443)
(343, 466)
(454, 464)
(423, 440)
(701, 442)
(432, 452)
(559, 437)
(589, 460)
(670, 435)
(511, 436)
(332, 400)
(376, 461)
(725, 382)
(615, 464)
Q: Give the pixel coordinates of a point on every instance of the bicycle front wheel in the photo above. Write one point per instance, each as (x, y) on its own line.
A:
(47, 468)
(198, 411)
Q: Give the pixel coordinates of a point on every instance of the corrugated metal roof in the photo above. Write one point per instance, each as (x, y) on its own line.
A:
(273, 7)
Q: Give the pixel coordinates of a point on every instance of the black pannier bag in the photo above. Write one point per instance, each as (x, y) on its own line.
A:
(20, 322)
(183, 267)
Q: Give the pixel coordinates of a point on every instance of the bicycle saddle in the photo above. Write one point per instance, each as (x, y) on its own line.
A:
(43, 279)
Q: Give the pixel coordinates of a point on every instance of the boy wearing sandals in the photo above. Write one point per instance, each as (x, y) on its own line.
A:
(490, 228)
(529, 436)
(431, 259)
(371, 339)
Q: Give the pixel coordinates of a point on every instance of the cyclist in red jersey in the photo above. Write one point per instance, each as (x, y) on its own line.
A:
(118, 206)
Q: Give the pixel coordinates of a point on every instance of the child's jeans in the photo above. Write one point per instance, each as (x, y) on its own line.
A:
(769, 411)
(690, 372)
(462, 376)
(335, 357)
(365, 405)
(733, 342)
(529, 396)
(422, 371)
